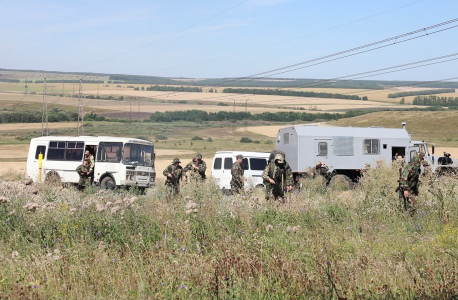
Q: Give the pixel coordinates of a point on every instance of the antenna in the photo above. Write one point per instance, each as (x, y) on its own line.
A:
(44, 113)
(80, 109)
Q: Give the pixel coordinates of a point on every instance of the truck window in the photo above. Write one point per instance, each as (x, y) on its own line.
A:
(228, 163)
(217, 164)
(258, 164)
(371, 146)
(322, 149)
(109, 152)
(286, 138)
(40, 149)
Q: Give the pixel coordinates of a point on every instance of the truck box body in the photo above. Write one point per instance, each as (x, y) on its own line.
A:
(341, 148)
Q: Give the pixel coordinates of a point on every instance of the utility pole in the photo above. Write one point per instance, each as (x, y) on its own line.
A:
(44, 113)
(80, 109)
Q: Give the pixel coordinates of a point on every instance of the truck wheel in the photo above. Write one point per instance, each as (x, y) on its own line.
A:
(341, 182)
(108, 183)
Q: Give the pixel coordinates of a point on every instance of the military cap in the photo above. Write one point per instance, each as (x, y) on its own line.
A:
(280, 158)
(199, 156)
(176, 160)
(239, 156)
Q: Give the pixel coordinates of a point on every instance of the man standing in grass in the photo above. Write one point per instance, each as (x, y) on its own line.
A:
(409, 182)
(173, 174)
(85, 175)
(278, 178)
(196, 168)
(237, 172)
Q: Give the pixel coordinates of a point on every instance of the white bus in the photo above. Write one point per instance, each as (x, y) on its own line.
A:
(118, 161)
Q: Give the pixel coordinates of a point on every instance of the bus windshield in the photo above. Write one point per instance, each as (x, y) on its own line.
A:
(137, 154)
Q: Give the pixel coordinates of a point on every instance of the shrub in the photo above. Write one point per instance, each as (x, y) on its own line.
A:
(246, 140)
(196, 138)
(161, 137)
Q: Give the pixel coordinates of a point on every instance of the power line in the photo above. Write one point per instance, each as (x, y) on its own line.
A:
(290, 40)
(395, 39)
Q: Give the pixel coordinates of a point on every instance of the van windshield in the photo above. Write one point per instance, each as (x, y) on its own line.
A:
(258, 164)
(137, 154)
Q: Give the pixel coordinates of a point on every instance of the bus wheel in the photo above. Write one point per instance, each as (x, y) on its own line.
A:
(108, 183)
(53, 178)
(341, 182)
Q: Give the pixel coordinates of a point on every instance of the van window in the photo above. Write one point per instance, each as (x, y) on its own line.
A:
(371, 146)
(217, 164)
(258, 164)
(110, 152)
(40, 149)
(245, 163)
(228, 163)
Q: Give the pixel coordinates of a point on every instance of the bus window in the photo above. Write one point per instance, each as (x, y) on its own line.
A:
(40, 150)
(109, 152)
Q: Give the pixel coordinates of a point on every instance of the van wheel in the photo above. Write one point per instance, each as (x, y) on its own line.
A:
(53, 178)
(108, 183)
(341, 182)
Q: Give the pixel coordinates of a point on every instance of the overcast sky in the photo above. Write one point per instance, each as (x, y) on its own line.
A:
(158, 37)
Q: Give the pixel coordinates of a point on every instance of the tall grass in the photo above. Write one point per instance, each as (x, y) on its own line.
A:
(321, 243)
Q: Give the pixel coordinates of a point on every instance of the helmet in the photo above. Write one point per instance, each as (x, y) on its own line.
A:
(239, 156)
(176, 160)
(280, 158)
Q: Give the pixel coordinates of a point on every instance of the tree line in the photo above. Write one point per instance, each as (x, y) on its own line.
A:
(424, 92)
(291, 93)
(173, 88)
(200, 116)
(54, 115)
(436, 101)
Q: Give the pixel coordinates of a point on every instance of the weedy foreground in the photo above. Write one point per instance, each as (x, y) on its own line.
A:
(322, 243)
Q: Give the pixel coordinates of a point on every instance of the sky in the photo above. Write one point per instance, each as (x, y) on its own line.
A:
(231, 38)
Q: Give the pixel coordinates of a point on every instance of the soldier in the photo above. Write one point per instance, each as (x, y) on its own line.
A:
(409, 182)
(85, 175)
(320, 169)
(237, 175)
(278, 178)
(173, 174)
(196, 168)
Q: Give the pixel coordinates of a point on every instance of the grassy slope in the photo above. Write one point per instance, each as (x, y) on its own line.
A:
(438, 127)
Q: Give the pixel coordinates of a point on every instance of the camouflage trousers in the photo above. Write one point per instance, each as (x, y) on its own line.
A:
(236, 187)
(84, 181)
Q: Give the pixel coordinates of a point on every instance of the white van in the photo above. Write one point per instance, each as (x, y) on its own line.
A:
(253, 162)
(118, 161)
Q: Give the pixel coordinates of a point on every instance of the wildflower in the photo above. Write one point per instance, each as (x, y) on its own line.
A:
(269, 228)
(14, 255)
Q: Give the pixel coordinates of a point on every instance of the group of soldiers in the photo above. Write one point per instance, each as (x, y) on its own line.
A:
(176, 175)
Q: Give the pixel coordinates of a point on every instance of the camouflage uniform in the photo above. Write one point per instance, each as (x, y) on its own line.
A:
(237, 172)
(173, 183)
(85, 179)
(196, 173)
(280, 172)
(410, 182)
